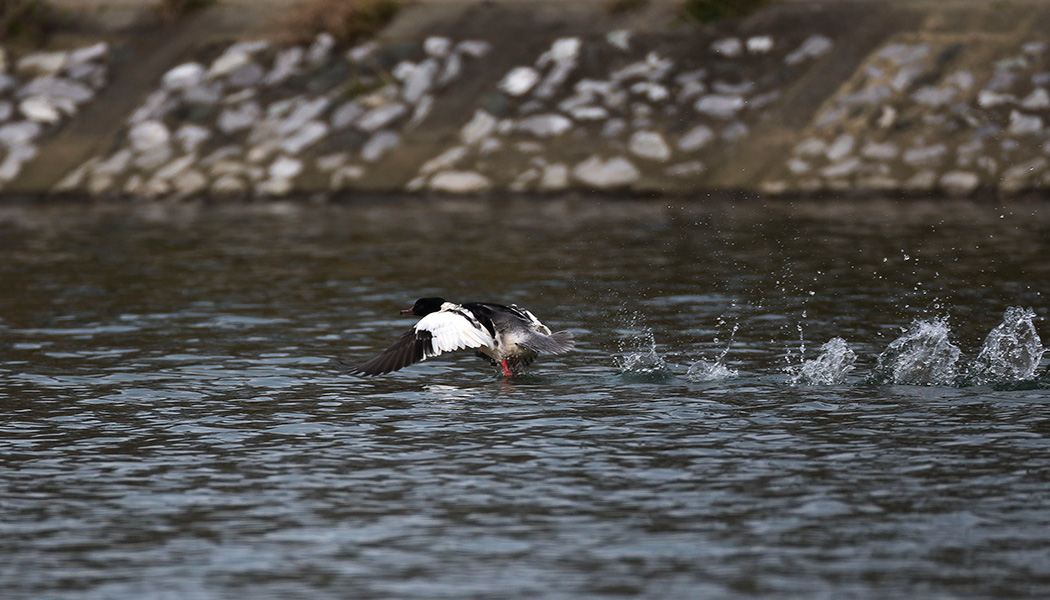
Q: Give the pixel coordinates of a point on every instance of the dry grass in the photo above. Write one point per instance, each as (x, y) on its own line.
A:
(27, 18)
(349, 21)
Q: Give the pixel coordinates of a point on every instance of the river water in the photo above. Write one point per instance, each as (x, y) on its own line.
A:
(175, 422)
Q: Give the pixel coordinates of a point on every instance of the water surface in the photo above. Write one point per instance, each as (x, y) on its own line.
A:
(175, 425)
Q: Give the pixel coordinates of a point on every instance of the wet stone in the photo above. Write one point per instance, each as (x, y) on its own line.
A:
(650, 145)
(379, 144)
(959, 184)
(459, 182)
(606, 174)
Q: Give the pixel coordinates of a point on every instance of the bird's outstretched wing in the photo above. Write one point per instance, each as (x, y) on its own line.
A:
(433, 335)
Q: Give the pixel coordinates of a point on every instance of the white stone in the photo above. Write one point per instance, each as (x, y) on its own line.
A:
(359, 53)
(148, 135)
(154, 157)
(474, 48)
(1022, 124)
(379, 144)
(115, 164)
(925, 154)
(285, 167)
(438, 47)
(814, 46)
(555, 177)
(86, 54)
(459, 182)
(880, 151)
(310, 133)
(653, 91)
(444, 161)
(452, 69)
(345, 115)
(246, 75)
(690, 168)
(934, 96)
(546, 125)
(207, 94)
(606, 174)
(811, 147)
(321, 49)
(58, 87)
(420, 81)
(191, 136)
(229, 186)
(696, 138)
(176, 167)
(719, 106)
(381, 116)
(344, 176)
(331, 162)
(759, 44)
(653, 68)
(524, 180)
(840, 148)
(729, 47)
(519, 81)
(958, 184)
(1037, 100)
(650, 145)
(6, 110)
(40, 110)
(274, 187)
(285, 65)
(227, 63)
(841, 169)
(41, 63)
(620, 39)
(797, 166)
(614, 128)
(991, 99)
(183, 77)
(240, 117)
(189, 183)
(14, 160)
(589, 113)
(156, 106)
(422, 111)
(304, 112)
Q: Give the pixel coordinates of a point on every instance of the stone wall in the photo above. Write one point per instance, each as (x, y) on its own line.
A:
(797, 100)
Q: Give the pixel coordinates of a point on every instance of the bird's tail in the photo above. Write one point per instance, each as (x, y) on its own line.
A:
(556, 343)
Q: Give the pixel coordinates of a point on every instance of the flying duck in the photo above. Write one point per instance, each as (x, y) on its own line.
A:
(508, 336)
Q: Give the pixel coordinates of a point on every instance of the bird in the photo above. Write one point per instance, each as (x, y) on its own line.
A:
(508, 336)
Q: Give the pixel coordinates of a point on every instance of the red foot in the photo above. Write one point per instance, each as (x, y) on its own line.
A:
(506, 369)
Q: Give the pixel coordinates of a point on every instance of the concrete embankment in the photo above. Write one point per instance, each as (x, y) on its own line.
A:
(471, 97)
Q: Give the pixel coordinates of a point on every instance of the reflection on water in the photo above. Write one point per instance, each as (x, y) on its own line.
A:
(759, 406)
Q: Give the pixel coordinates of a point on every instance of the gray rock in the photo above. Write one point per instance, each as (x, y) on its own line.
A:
(555, 177)
(303, 112)
(519, 81)
(157, 105)
(246, 75)
(649, 145)
(379, 144)
(921, 181)
(321, 49)
(814, 46)
(735, 131)
(614, 128)
(154, 157)
(345, 176)
(797, 166)
(6, 110)
(1037, 100)
(444, 161)
(474, 48)
(239, 117)
(40, 110)
(191, 136)
(285, 167)
(840, 148)
(934, 96)
(183, 77)
(309, 134)
(880, 151)
(811, 147)
(175, 167)
(452, 69)
(653, 68)
(14, 160)
(619, 39)
(420, 81)
(7, 83)
(381, 116)
(653, 91)
(227, 63)
(720, 106)
(925, 154)
(438, 47)
(990, 99)
(1022, 124)
(115, 164)
(189, 183)
(589, 113)
(690, 168)
(148, 135)
(57, 87)
(422, 111)
(41, 63)
(841, 169)
(459, 182)
(545, 125)
(959, 184)
(94, 53)
(613, 173)
(286, 65)
(229, 186)
(729, 47)
(346, 114)
(759, 44)
(1023, 175)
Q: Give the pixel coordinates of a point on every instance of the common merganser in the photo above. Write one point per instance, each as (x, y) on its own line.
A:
(509, 336)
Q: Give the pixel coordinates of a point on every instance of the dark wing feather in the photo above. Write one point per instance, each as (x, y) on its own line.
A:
(411, 348)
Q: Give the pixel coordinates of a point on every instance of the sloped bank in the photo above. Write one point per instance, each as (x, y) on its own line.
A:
(800, 99)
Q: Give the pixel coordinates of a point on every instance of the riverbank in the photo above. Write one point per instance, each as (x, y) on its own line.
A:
(865, 98)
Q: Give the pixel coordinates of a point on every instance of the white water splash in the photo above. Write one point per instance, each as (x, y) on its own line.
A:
(923, 355)
(1011, 352)
(830, 368)
(638, 353)
(704, 370)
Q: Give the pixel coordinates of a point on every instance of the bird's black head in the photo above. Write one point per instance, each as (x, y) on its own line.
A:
(424, 306)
